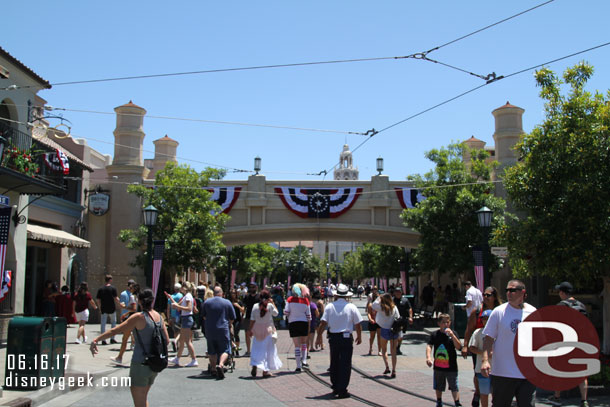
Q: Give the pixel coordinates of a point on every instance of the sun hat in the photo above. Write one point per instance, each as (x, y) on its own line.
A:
(342, 291)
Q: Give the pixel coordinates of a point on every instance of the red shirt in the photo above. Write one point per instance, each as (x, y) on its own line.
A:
(82, 302)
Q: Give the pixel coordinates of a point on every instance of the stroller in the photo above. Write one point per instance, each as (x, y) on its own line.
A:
(229, 365)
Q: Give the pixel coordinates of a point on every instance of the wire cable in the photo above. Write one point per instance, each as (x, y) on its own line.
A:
(275, 66)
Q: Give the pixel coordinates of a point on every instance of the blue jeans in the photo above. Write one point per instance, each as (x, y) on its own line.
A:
(112, 321)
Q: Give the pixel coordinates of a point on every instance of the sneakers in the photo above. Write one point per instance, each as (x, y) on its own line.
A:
(584, 403)
(112, 341)
(554, 400)
(458, 404)
(247, 354)
(298, 369)
(439, 403)
(103, 342)
(193, 363)
(86, 338)
(175, 361)
(398, 352)
(77, 341)
(220, 373)
(117, 360)
(305, 365)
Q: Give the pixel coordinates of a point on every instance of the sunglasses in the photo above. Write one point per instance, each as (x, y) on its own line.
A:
(513, 290)
(487, 295)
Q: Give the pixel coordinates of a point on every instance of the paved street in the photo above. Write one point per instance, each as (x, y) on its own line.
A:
(185, 386)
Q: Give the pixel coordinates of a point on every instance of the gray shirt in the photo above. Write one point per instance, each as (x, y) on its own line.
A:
(145, 335)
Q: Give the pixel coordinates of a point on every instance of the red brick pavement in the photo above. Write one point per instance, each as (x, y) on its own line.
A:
(296, 389)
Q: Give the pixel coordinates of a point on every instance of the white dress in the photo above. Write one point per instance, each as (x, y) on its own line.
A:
(263, 354)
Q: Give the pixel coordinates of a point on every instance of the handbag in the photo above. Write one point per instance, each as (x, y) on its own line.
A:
(274, 337)
(397, 326)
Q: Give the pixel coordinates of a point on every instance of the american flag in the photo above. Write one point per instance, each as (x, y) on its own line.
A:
(5, 222)
(478, 269)
(159, 247)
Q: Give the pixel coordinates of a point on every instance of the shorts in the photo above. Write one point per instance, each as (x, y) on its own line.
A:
(441, 376)
(82, 316)
(245, 324)
(141, 375)
(484, 383)
(236, 329)
(373, 327)
(298, 328)
(218, 346)
(387, 334)
(186, 321)
(313, 327)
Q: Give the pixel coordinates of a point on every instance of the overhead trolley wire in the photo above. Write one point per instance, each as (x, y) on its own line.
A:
(287, 65)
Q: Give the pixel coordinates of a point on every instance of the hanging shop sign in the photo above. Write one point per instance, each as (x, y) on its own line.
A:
(98, 203)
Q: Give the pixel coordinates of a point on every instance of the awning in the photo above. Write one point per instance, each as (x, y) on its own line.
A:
(55, 236)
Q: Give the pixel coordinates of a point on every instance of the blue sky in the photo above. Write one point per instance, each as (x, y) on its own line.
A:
(78, 40)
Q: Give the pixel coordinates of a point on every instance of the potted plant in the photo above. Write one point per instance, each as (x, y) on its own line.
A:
(20, 160)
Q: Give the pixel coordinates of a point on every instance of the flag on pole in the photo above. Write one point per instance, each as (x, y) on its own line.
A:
(5, 223)
(478, 269)
(158, 248)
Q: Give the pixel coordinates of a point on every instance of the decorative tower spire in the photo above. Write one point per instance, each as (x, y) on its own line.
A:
(346, 170)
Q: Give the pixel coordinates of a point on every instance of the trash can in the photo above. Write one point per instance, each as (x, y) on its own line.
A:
(29, 350)
(460, 321)
(58, 355)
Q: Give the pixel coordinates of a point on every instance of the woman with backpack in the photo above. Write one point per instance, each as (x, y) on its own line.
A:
(144, 325)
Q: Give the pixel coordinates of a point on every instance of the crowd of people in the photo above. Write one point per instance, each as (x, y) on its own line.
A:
(310, 313)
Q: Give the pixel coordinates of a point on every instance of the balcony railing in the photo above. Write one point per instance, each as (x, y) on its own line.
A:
(23, 154)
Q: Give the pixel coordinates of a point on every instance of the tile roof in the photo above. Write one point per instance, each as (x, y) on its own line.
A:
(22, 66)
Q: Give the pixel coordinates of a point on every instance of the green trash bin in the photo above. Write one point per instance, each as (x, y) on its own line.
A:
(58, 359)
(29, 350)
(460, 321)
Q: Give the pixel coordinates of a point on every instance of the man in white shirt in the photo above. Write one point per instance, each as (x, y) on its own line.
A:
(474, 298)
(342, 318)
(500, 331)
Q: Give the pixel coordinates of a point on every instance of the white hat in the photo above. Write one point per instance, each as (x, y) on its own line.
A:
(342, 291)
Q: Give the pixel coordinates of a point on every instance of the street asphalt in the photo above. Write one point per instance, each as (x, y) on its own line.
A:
(186, 386)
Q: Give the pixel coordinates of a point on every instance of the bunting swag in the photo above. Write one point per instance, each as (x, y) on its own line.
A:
(318, 202)
(225, 197)
(57, 161)
(409, 197)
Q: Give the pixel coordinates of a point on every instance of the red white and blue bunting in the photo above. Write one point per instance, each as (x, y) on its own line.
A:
(409, 197)
(318, 202)
(57, 161)
(225, 197)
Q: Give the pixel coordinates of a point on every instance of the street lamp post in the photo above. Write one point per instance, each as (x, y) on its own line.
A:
(485, 216)
(229, 268)
(150, 220)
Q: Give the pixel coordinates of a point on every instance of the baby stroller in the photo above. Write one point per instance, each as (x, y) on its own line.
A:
(230, 363)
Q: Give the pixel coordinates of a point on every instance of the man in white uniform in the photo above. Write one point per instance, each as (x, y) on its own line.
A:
(342, 318)
(499, 334)
(474, 298)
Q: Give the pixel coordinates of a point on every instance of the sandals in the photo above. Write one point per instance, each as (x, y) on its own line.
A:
(393, 375)
(267, 374)
(386, 371)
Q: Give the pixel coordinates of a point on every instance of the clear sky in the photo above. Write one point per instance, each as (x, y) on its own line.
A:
(82, 40)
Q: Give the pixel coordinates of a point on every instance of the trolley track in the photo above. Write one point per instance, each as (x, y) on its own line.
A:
(352, 396)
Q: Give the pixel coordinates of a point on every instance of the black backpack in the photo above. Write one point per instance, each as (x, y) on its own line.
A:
(576, 305)
(156, 358)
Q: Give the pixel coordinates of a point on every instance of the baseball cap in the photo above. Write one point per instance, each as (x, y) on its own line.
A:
(486, 313)
(177, 286)
(130, 281)
(398, 288)
(565, 287)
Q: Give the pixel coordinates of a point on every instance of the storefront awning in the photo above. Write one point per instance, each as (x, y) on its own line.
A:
(55, 236)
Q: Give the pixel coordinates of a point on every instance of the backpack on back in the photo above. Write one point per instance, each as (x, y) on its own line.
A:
(156, 358)
(575, 305)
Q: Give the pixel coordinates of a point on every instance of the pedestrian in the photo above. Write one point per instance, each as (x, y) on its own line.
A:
(474, 298)
(82, 301)
(142, 377)
(280, 303)
(491, 300)
(444, 343)
(507, 381)
(406, 314)
(129, 306)
(250, 299)
(313, 325)
(238, 307)
(320, 304)
(49, 294)
(218, 315)
(427, 295)
(264, 352)
(360, 291)
(373, 327)
(64, 307)
(567, 299)
(185, 306)
(173, 315)
(342, 318)
(387, 314)
(299, 317)
(107, 301)
(476, 347)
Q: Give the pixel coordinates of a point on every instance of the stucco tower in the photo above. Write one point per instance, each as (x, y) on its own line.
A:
(346, 170)
(165, 151)
(509, 129)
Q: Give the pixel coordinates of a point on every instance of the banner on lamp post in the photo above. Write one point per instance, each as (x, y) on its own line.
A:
(288, 284)
(233, 277)
(403, 280)
(265, 282)
(253, 279)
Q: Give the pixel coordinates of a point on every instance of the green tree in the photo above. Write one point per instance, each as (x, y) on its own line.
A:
(446, 220)
(188, 220)
(561, 186)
